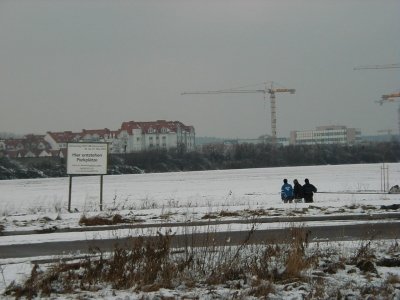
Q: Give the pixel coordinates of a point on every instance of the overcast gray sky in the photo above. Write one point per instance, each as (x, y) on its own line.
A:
(85, 64)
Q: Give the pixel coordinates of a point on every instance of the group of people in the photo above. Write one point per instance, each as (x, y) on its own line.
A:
(297, 192)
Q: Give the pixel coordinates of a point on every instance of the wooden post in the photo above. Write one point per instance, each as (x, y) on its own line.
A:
(101, 192)
(69, 193)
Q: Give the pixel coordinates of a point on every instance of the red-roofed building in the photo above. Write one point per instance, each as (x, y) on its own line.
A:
(59, 140)
(29, 146)
(140, 136)
(131, 137)
(62, 153)
(2, 148)
(97, 135)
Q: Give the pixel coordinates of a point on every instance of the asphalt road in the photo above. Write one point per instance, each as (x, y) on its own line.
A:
(380, 230)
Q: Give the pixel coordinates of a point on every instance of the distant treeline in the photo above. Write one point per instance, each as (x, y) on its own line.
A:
(213, 157)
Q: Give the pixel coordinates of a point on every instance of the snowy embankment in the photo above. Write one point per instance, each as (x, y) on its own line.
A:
(41, 204)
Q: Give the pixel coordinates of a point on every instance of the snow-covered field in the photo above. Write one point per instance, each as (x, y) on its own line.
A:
(186, 196)
(210, 189)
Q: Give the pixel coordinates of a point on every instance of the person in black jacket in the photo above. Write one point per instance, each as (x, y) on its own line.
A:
(308, 191)
(297, 191)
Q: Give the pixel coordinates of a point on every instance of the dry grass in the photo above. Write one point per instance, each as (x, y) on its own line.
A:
(100, 220)
(145, 264)
(225, 213)
(151, 264)
(393, 279)
(364, 253)
(284, 262)
(262, 289)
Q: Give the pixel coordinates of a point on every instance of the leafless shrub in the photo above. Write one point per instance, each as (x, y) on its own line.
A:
(284, 262)
(262, 289)
(318, 289)
(364, 253)
(100, 220)
(221, 214)
(225, 213)
(209, 216)
(369, 207)
(230, 266)
(394, 247)
(148, 264)
(393, 279)
(371, 291)
(256, 213)
(145, 264)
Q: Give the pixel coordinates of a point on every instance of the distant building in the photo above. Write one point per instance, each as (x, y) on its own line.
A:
(29, 146)
(59, 140)
(139, 136)
(382, 138)
(326, 135)
(2, 145)
(131, 137)
(260, 140)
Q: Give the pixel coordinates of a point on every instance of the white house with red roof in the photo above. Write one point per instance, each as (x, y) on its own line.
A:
(2, 145)
(59, 140)
(161, 134)
(29, 146)
(131, 137)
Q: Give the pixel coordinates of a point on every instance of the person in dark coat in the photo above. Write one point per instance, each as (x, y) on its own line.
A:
(286, 192)
(297, 191)
(308, 191)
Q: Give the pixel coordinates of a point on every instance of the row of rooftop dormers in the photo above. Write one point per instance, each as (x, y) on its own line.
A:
(132, 136)
(159, 126)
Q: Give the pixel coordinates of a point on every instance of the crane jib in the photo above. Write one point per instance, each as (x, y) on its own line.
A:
(271, 91)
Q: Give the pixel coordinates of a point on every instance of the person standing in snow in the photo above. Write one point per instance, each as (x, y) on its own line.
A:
(286, 192)
(308, 191)
(297, 191)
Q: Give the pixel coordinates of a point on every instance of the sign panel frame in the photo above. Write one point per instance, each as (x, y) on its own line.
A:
(87, 158)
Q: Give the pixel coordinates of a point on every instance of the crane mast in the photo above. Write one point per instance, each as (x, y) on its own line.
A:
(267, 90)
(388, 97)
(391, 98)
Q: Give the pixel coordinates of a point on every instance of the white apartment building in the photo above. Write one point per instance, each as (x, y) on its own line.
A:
(131, 137)
(335, 134)
(140, 136)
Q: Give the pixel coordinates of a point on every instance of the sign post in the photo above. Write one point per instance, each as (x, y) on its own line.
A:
(101, 192)
(69, 193)
(87, 159)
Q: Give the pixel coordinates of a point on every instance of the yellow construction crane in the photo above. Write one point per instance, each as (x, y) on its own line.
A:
(388, 97)
(391, 98)
(271, 90)
(369, 67)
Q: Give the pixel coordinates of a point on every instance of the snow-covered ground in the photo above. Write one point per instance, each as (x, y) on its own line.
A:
(37, 204)
(188, 196)
(210, 189)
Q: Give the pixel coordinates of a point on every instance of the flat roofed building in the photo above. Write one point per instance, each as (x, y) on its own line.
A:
(334, 134)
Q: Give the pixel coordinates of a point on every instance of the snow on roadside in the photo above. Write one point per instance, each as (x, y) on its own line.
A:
(40, 204)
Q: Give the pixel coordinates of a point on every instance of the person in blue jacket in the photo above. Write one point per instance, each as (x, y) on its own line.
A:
(286, 192)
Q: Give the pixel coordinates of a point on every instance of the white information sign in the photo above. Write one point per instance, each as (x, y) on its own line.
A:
(87, 158)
